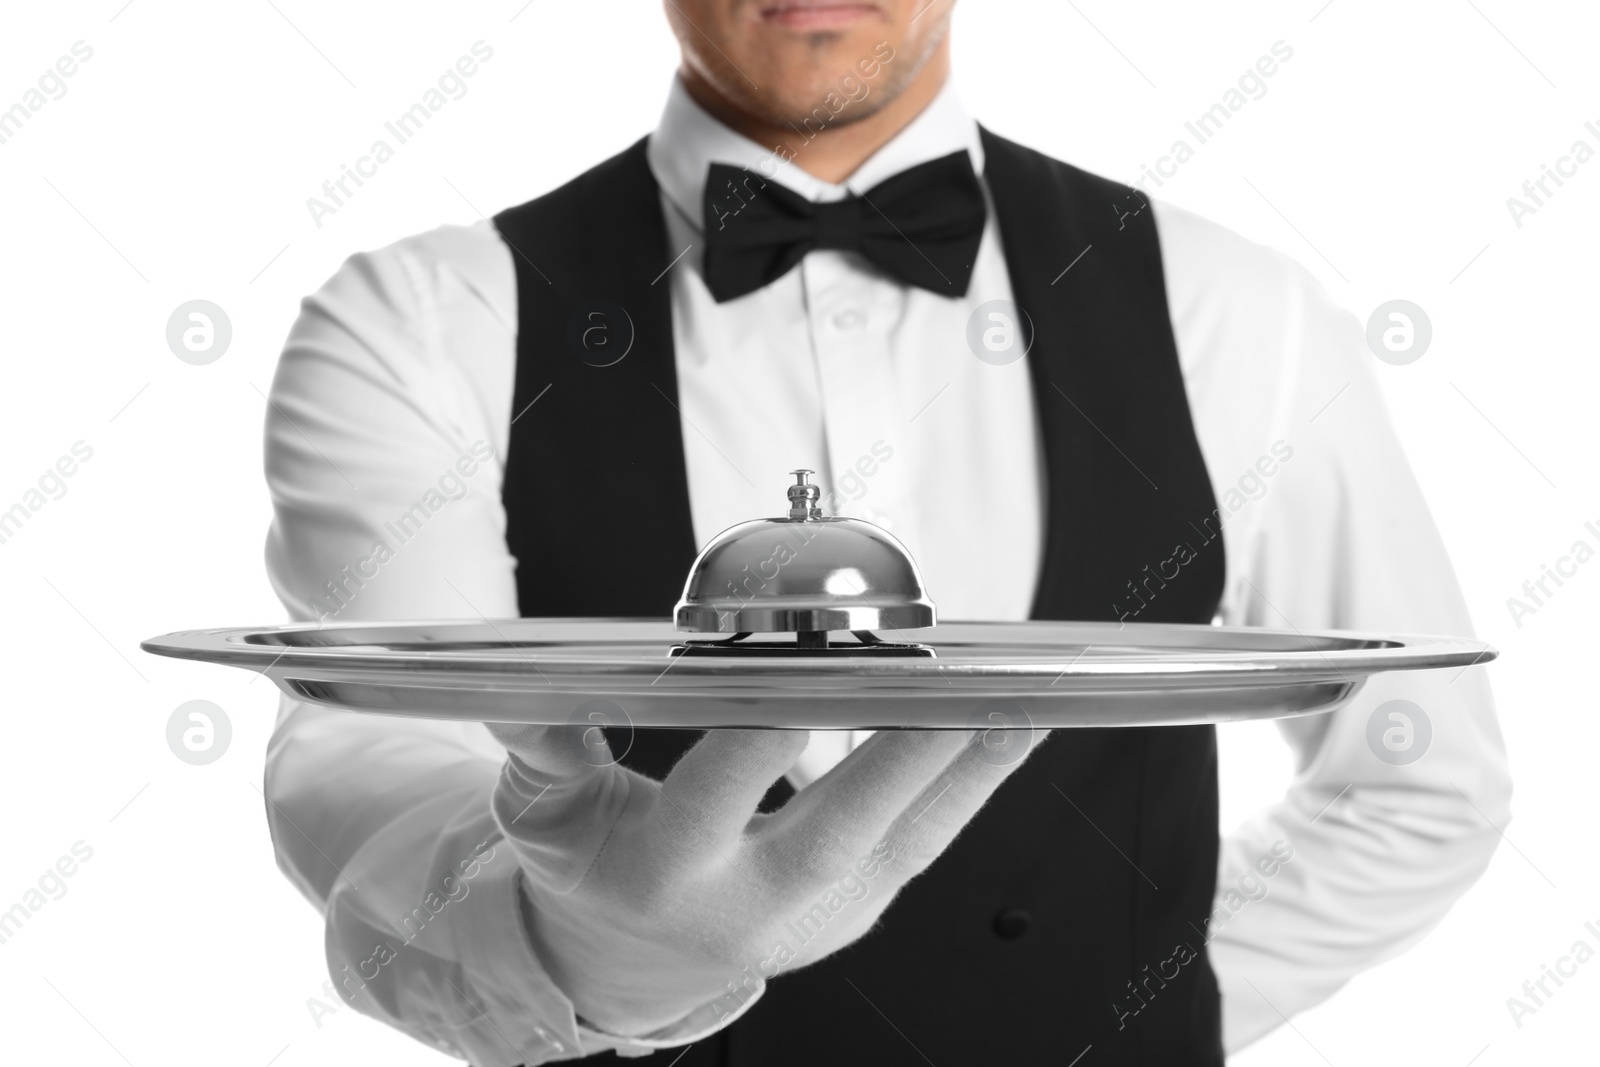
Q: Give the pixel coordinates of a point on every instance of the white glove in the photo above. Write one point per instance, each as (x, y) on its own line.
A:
(648, 899)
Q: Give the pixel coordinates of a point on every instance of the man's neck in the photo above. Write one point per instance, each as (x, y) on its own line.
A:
(835, 152)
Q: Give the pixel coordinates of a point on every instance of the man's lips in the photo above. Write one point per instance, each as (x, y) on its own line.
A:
(815, 14)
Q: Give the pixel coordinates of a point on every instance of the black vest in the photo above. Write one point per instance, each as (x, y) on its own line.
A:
(1071, 911)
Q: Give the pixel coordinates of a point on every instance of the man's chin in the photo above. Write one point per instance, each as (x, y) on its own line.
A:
(797, 106)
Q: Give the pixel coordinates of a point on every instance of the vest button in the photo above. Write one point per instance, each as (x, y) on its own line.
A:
(1012, 923)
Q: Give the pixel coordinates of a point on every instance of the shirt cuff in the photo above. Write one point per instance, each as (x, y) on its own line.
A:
(521, 1016)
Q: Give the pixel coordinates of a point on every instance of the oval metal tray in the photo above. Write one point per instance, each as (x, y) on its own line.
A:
(1047, 674)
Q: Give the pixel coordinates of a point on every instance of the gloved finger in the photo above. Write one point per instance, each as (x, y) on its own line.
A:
(841, 815)
(949, 803)
(558, 796)
(718, 783)
(554, 756)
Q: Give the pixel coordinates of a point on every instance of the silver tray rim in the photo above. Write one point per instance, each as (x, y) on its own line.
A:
(1205, 656)
(1160, 674)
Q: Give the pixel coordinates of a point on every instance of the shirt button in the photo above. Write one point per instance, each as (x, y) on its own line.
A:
(1012, 923)
(849, 320)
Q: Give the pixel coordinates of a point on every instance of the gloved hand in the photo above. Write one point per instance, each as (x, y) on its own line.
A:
(648, 898)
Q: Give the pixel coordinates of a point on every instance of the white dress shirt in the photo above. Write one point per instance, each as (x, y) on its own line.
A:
(405, 361)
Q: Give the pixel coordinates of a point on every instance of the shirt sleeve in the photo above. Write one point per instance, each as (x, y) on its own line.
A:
(384, 430)
(1389, 820)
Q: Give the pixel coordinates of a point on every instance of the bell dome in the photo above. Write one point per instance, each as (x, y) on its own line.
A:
(804, 573)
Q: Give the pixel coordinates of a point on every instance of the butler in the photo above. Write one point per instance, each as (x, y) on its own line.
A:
(1045, 386)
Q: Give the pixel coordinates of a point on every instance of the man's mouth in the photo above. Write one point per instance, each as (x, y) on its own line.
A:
(815, 14)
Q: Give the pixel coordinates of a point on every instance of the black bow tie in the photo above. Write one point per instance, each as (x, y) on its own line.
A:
(923, 226)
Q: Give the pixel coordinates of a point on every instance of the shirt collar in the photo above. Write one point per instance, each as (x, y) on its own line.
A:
(688, 140)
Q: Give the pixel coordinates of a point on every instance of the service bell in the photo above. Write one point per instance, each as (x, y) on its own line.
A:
(805, 573)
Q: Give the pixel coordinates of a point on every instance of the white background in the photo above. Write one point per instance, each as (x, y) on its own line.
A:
(177, 166)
